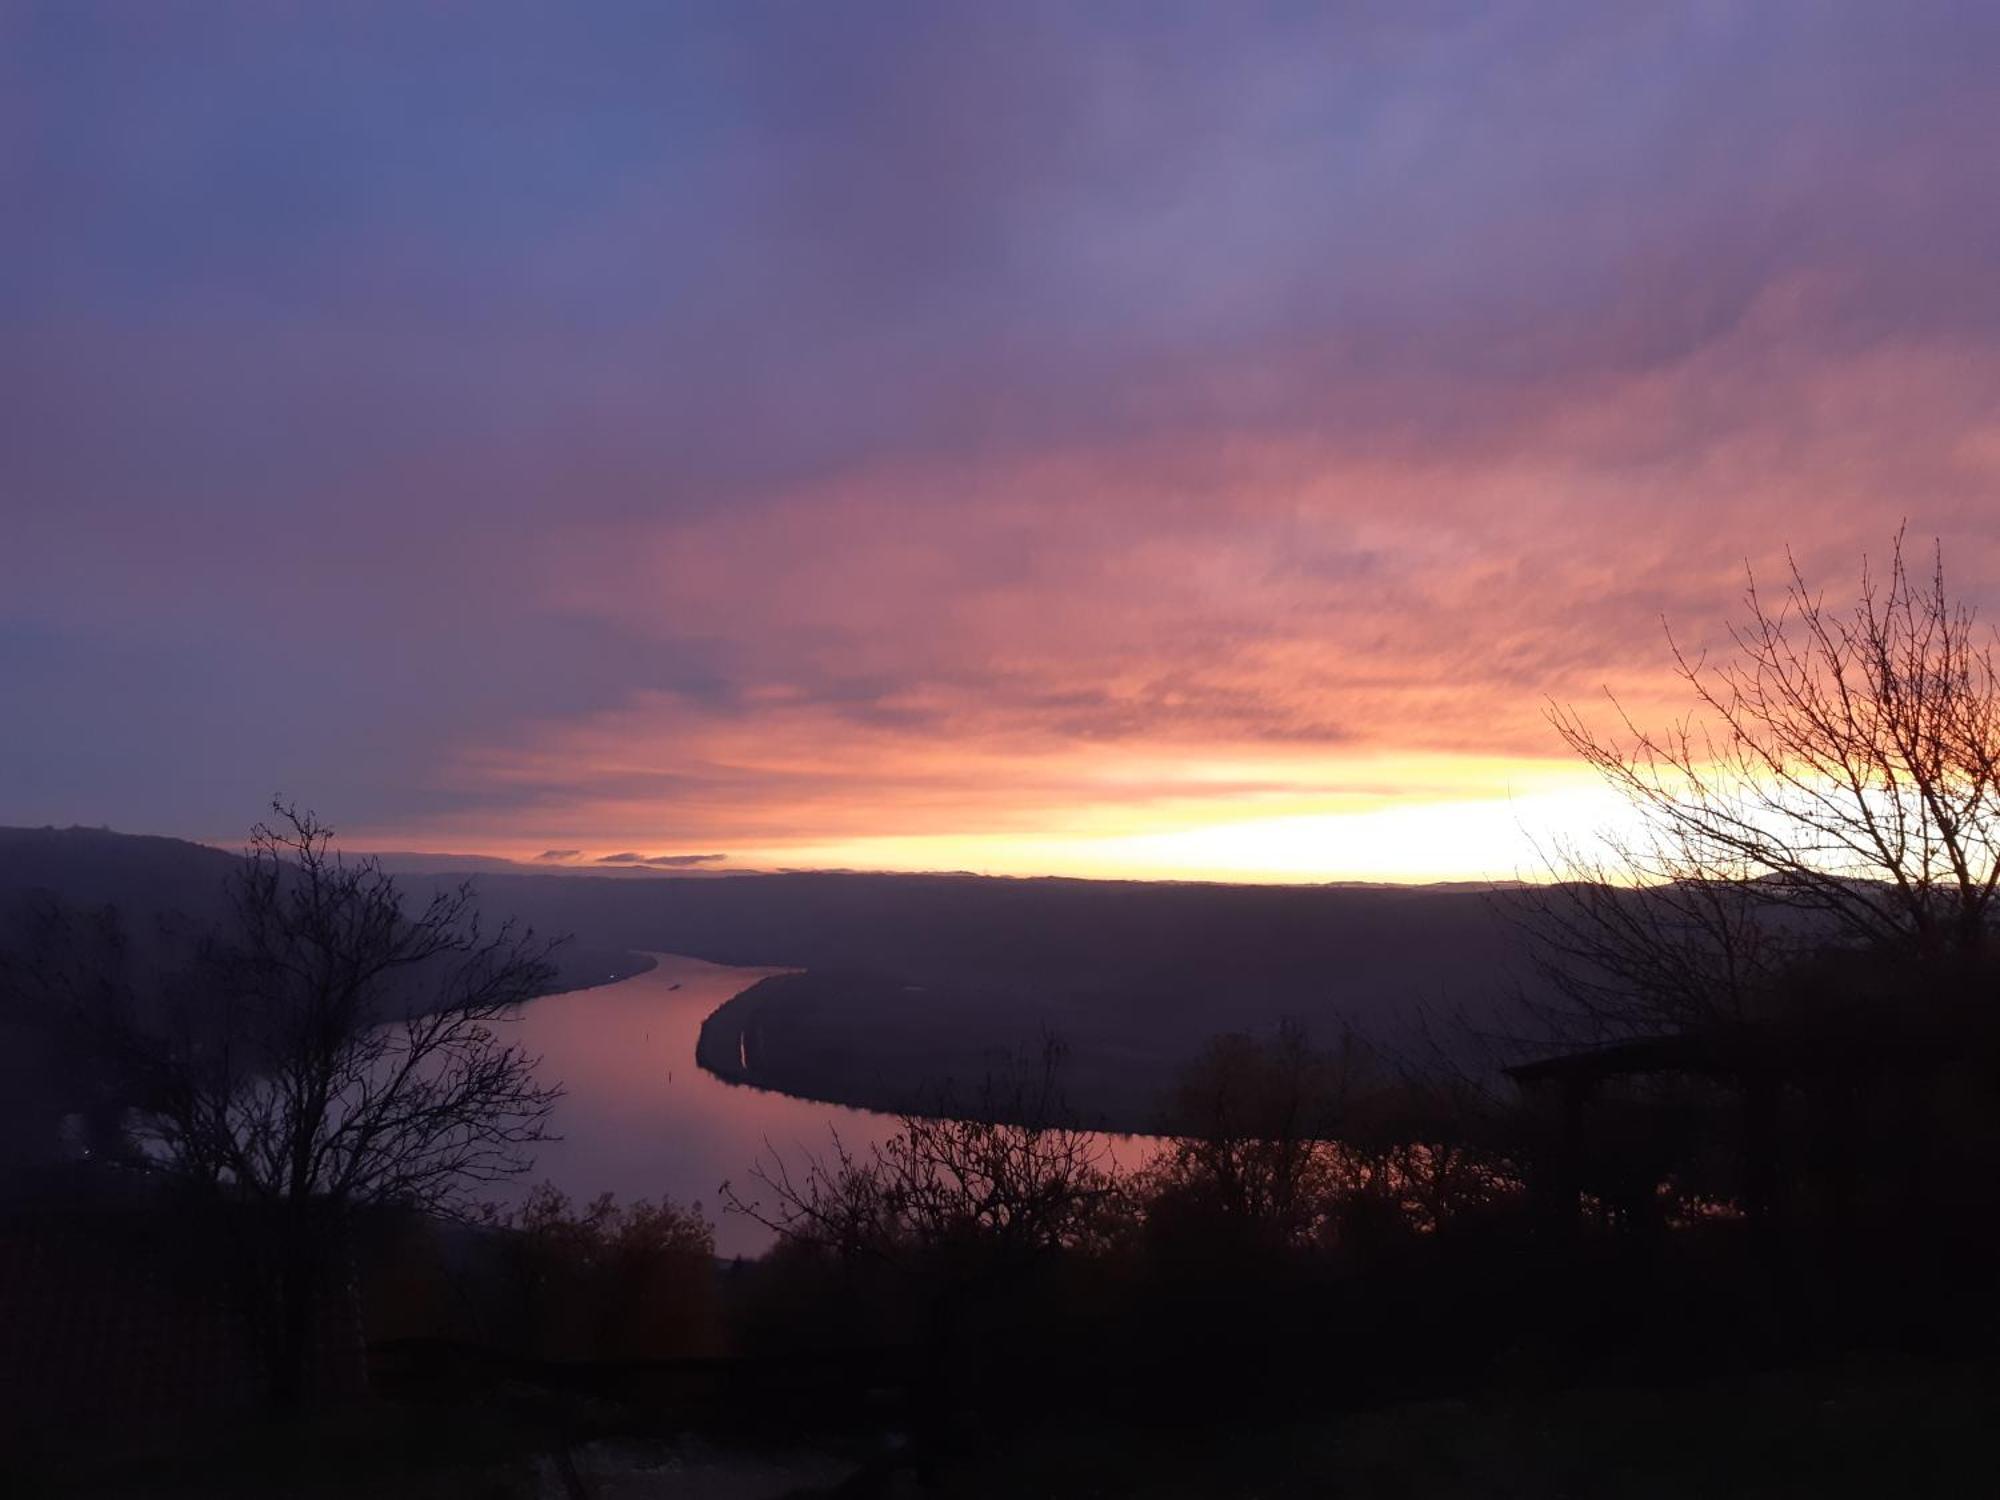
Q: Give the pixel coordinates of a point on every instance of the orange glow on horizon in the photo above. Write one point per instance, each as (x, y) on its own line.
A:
(1409, 819)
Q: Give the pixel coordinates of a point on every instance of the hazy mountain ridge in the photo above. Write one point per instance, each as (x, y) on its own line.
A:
(918, 982)
(914, 981)
(147, 877)
(157, 886)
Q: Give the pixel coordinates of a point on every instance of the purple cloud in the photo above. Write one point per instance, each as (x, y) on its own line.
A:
(643, 425)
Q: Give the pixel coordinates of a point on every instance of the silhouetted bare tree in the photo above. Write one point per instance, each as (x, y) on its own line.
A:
(1837, 781)
(1280, 1146)
(964, 1210)
(607, 1281)
(328, 1048)
(1252, 1124)
(951, 1180)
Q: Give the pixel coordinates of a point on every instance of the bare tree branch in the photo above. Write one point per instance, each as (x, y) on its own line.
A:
(1838, 782)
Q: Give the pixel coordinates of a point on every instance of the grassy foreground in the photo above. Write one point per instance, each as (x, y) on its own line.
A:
(1876, 1430)
(1861, 1430)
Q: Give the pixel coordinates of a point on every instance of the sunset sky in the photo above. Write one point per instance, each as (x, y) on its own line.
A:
(1116, 439)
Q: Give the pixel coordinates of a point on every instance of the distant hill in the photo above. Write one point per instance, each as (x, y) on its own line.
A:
(416, 862)
(96, 867)
(148, 880)
(146, 877)
(913, 979)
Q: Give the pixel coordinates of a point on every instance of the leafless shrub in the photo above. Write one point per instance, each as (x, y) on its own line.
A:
(1836, 782)
(605, 1280)
(1002, 1177)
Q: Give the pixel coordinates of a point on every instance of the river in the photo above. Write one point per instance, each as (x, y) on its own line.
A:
(640, 1119)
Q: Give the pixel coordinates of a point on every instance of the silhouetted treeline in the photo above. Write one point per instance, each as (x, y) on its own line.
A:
(1326, 1229)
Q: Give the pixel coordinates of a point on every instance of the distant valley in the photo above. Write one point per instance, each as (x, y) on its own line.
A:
(913, 982)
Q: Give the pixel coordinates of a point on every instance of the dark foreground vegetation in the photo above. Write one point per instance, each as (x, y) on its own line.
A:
(1714, 1210)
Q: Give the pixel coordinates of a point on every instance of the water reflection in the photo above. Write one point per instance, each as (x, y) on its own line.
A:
(641, 1120)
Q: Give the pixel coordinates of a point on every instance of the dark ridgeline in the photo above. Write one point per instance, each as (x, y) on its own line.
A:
(911, 980)
(915, 979)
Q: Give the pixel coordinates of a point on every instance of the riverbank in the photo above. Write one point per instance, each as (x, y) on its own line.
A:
(808, 1037)
(642, 1118)
(580, 968)
(730, 1040)
(865, 1041)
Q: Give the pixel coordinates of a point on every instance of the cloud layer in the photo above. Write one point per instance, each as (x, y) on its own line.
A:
(887, 435)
